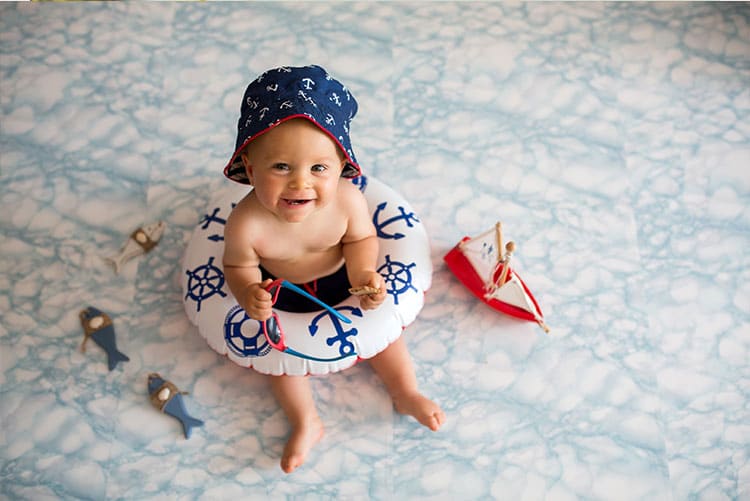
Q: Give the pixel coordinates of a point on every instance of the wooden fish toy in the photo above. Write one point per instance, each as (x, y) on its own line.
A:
(98, 326)
(167, 398)
(140, 242)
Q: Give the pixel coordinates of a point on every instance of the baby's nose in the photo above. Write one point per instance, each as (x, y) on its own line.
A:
(300, 179)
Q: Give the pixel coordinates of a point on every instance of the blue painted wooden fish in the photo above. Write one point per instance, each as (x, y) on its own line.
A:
(98, 326)
(167, 398)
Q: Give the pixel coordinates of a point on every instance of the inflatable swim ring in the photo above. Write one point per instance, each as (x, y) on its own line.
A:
(328, 344)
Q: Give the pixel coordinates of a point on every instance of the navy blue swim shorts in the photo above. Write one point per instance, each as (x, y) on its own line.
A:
(331, 289)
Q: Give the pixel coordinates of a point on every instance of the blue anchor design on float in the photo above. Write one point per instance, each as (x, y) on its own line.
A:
(206, 221)
(346, 347)
(409, 218)
(204, 281)
(360, 182)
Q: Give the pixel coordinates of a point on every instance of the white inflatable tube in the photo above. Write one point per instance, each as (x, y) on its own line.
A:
(326, 343)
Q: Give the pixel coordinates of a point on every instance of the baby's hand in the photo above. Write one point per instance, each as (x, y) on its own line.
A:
(371, 281)
(258, 301)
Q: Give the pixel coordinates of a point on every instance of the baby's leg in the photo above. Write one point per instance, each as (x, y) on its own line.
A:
(394, 367)
(295, 396)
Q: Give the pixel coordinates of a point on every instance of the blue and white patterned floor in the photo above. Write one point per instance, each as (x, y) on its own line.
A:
(612, 140)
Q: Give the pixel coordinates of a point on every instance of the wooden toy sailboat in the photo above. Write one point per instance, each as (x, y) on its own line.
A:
(479, 263)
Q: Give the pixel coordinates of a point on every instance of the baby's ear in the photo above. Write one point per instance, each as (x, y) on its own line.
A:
(248, 165)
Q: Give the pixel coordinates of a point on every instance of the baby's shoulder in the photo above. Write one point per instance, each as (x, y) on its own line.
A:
(241, 212)
(244, 221)
(350, 194)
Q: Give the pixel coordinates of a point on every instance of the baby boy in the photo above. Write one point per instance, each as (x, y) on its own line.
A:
(304, 221)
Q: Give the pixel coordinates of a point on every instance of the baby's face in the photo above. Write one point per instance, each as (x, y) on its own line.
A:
(295, 169)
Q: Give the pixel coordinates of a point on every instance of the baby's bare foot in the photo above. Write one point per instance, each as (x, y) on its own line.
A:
(299, 444)
(421, 408)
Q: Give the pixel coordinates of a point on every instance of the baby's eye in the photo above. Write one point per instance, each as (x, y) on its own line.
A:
(318, 168)
(280, 166)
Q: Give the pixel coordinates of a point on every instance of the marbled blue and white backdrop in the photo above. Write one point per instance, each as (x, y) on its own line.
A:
(613, 141)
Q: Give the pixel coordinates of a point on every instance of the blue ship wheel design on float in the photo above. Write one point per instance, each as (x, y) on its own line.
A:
(346, 347)
(243, 335)
(204, 281)
(398, 277)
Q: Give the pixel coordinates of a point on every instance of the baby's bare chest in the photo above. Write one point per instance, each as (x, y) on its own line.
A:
(303, 240)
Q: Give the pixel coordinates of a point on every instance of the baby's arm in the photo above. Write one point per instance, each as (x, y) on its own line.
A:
(360, 248)
(241, 268)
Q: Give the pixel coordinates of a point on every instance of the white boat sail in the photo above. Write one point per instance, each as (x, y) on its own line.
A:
(484, 254)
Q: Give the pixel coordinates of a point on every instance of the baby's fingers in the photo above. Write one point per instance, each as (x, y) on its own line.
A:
(258, 301)
(262, 293)
(372, 301)
(262, 296)
(262, 314)
(260, 309)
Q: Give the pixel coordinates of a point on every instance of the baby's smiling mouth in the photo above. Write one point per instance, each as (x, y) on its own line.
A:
(291, 201)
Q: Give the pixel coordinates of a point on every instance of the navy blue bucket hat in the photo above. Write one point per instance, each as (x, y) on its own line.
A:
(284, 93)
